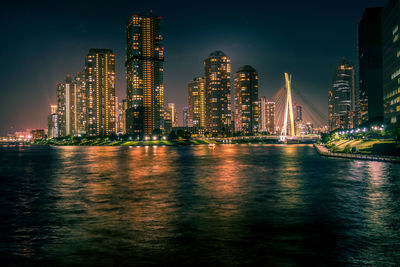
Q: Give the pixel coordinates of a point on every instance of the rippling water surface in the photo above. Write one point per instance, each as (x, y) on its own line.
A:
(233, 206)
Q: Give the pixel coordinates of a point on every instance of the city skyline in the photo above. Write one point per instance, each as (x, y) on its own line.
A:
(271, 54)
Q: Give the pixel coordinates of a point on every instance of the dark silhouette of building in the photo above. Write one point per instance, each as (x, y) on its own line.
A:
(391, 61)
(370, 106)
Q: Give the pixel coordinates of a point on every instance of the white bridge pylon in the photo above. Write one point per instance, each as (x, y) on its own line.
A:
(288, 131)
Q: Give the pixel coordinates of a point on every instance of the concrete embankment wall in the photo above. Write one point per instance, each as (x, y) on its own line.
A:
(323, 151)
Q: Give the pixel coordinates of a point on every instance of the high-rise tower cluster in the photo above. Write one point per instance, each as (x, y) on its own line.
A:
(377, 99)
(86, 102)
(209, 100)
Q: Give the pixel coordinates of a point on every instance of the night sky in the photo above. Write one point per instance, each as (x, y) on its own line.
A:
(43, 41)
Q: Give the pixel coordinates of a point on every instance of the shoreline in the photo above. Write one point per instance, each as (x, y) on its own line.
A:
(182, 142)
(323, 151)
(157, 143)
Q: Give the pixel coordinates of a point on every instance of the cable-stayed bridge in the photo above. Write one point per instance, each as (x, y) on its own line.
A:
(287, 119)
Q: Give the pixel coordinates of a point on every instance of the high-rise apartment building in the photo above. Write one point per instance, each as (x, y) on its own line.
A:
(185, 117)
(370, 107)
(298, 112)
(170, 118)
(217, 68)
(246, 100)
(79, 93)
(65, 107)
(71, 106)
(343, 97)
(330, 110)
(270, 116)
(120, 118)
(267, 115)
(170, 114)
(391, 61)
(52, 130)
(144, 74)
(197, 103)
(100, 92)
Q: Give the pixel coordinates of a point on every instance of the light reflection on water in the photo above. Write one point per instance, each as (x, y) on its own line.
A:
(235, 205)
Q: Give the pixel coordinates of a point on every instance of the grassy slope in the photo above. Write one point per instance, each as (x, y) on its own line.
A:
(359, 144)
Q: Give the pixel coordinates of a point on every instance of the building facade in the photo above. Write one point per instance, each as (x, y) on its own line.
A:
(217, 68)
(79, 92)
(100, 92)
(197, 103)
(246, 110)
(52, 129)
(38, 134)
(342, 97)
(185, 116)
(391, 61)
(144, 74)
(370, 107)
(267, 115)
(171, 115)
(65, 107)
(120, 118)
(298, 113)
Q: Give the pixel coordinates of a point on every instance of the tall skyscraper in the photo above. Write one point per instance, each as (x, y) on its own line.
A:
(270, 116)
(246, 100)
(391, 61)
(197, 103)
(370, 66)
(185, 116)
(267, 115)
(300, 125)
(120, 118)
(52, 130)
(343, 97)
(79, 93)
(331, 102)
(100, 92)
(65, 107)
(218, 93)
(170, 118)
(144, 74)
(170, 114)
(299, 112)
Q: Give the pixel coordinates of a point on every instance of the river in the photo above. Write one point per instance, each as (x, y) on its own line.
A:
(237, 205)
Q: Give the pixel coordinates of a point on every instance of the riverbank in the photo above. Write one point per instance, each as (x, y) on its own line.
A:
(323, 151)
(106, 142)
(75, 141)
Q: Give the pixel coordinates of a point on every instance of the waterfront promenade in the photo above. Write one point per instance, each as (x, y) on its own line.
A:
(323, 151)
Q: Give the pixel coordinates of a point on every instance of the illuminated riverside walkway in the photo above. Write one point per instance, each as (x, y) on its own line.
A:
(268, 137)
(323, 151)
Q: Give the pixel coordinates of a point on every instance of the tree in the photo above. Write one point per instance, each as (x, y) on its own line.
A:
(180, 133)
(347, 149)
(172, 136)
(187, 135)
